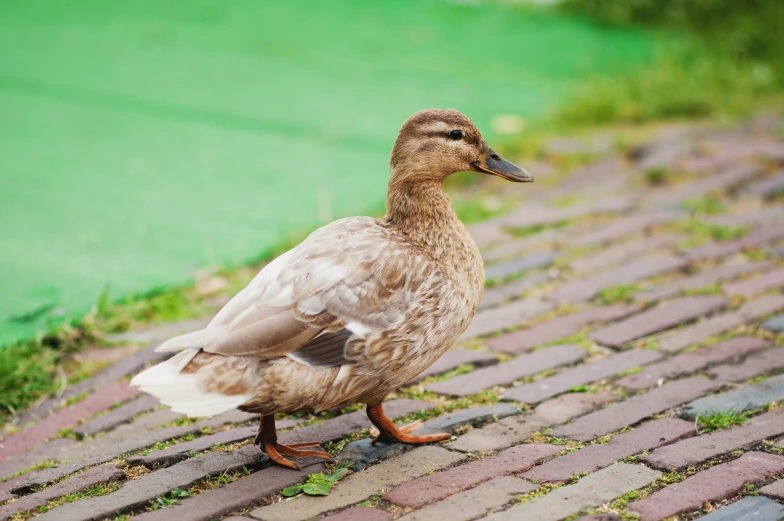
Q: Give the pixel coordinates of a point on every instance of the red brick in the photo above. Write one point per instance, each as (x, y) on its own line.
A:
(508, 372)
(455, 358)
(582, 374)
(22, 440)
(755, 365)
(586, 288)
(715, 483)
(699, 449)
(72, 485)
(662, 317)
(505, 317)
(722, 249)
(728, 270)
(696, 333)
(759, 284)
(690, 362)
(594, 457)
(435, 487)
(634, 409)
(526, 339)
(622, 226)
(359, 514)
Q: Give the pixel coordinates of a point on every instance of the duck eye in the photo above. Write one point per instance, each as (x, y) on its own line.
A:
(456, 134)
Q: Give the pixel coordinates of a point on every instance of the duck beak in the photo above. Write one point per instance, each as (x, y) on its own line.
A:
(492, 163)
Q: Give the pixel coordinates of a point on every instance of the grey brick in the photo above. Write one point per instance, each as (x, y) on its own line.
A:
(750, 397)
(749, 508)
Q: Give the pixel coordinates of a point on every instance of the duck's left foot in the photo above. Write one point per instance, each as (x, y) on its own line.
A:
(388, 432)
(267, 440)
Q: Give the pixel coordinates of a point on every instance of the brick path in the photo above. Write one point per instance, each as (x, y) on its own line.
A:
(620, 309)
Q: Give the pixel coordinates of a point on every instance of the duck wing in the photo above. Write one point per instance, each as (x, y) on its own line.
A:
(346, 279)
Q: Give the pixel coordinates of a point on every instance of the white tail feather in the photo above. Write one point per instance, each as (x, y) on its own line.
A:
(182, 392)
(192, 340)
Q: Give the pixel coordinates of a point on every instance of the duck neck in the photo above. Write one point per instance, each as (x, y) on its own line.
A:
(423, 213)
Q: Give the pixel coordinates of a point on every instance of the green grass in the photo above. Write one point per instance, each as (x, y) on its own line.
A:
(717, 420)
(27, 371)
(656, 176)
(525, 231)
(618, 293)
(700, 232)
(172, 498)
(708, 205)
(681, 81)
(713, 289)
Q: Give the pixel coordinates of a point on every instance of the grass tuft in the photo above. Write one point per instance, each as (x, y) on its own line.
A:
(717, 420)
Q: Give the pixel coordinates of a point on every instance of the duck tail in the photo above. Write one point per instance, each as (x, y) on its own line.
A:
(183, 392)
(192, 340)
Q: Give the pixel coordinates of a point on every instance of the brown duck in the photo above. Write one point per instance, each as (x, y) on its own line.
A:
(353, 312)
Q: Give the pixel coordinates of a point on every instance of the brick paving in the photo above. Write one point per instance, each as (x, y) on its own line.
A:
(566, 397)
(524, 340)
(594, 457)
(665, 316)
(686, 363)
(712, 484)
(508, 372)
(593, 490)
(635, 409)
(696, 450)
(582, 374)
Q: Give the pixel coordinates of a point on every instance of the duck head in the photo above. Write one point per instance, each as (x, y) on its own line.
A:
(436, 143)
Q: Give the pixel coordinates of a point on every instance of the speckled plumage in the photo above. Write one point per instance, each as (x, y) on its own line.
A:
(359, 307)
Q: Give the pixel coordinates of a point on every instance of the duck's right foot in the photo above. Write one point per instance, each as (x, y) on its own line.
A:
(388, 432)
(267, 440)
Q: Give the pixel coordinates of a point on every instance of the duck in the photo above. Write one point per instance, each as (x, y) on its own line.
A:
(355, 311)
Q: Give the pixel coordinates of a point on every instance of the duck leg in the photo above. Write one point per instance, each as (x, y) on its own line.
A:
(267, 440)
(388, 432)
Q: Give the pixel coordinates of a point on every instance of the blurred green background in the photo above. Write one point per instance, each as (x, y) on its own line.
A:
(143, 140)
